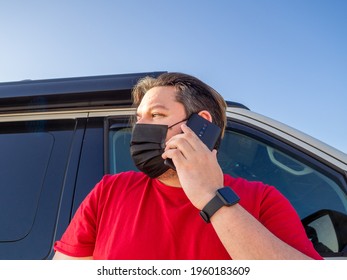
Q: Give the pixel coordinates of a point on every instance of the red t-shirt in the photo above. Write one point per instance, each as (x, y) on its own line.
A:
(131, 216)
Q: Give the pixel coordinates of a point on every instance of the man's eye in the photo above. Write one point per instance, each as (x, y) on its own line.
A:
(155, 115)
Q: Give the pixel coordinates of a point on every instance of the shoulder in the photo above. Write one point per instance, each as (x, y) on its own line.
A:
(116, 187)
(128, 176)
(115, 184)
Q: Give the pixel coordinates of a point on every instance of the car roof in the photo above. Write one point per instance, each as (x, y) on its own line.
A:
(65, 93)
(69, 92)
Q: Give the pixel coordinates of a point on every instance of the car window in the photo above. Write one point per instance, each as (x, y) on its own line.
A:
(315, 191)
(307, 188)
(119, 153)
(33, 162)
(24, 154)
(118, 158)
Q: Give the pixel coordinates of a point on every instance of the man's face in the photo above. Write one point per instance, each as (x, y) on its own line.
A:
(159, 106)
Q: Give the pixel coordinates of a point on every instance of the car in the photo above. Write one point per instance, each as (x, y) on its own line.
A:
(59, 137)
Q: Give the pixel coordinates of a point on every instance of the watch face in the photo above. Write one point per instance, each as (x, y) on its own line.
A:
(228, 196)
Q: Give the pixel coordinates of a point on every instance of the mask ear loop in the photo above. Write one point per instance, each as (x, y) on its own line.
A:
(168, 162)
(177, 123)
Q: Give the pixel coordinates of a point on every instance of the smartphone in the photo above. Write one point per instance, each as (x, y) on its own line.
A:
(208, 132)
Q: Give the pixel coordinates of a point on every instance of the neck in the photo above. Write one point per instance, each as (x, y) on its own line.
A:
(170, 178)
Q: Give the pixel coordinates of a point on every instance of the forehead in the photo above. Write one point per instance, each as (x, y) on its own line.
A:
(159, 97)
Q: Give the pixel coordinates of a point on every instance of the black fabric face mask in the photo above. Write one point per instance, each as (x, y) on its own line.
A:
(146, 147)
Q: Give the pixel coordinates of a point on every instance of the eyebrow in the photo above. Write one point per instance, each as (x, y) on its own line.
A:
(155, 106)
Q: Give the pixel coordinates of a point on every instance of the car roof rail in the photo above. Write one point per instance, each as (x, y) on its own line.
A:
(236, 105)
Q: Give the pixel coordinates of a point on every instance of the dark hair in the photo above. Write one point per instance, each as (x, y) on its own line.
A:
(194, 94)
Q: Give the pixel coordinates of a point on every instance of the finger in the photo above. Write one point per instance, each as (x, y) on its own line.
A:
(173, 154)
(180, 145)
(193, 139)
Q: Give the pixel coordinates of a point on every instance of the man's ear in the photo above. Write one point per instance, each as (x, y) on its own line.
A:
(206, 115)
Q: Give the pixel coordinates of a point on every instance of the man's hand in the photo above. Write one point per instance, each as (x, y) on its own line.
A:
(197, 167)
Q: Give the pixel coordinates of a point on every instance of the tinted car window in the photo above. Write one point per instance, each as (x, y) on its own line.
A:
(307, 187)
(119, 154)
(33, 161)
(317, 192)
(24, 154)
(118, 158)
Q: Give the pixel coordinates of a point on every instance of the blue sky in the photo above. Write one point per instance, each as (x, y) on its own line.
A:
(284, 59)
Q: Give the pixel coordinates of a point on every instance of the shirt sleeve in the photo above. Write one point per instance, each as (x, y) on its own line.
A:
(280, 217)
(271, 208)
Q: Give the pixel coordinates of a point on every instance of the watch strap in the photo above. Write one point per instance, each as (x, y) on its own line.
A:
(211, 207)
(224, 197)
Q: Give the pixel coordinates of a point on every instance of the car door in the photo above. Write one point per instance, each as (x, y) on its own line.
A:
(260, 149)
(37, 170)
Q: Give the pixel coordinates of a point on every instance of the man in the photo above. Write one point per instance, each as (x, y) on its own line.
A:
(154, 214)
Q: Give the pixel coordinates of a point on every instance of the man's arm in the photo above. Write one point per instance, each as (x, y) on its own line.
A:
(254, 241)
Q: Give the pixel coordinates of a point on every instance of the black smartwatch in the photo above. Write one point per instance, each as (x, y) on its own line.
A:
(224, 197)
